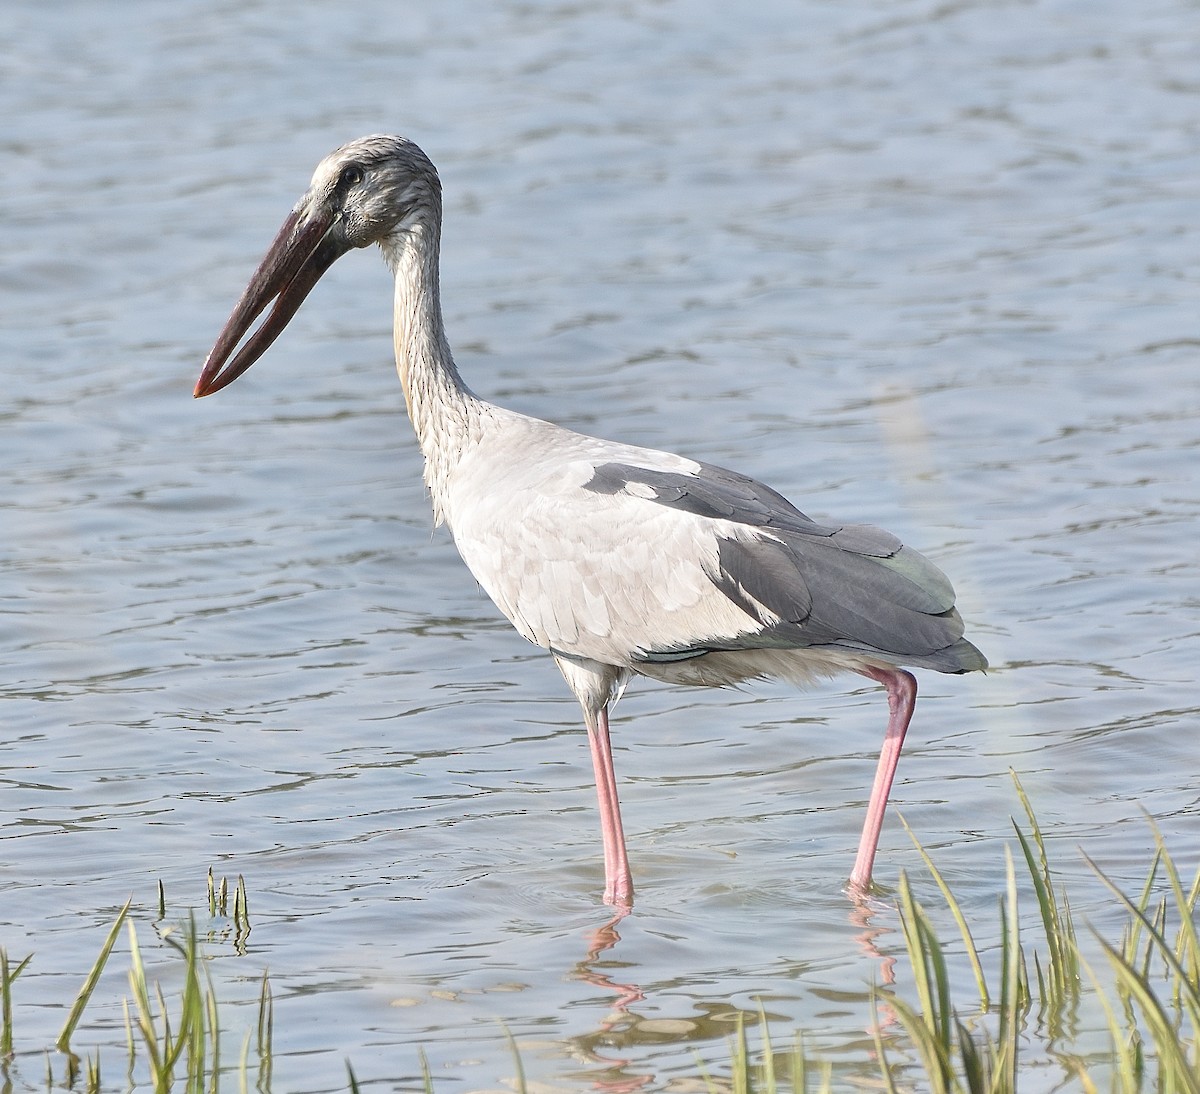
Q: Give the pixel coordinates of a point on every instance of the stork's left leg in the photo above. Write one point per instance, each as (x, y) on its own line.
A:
(618, 878)
(902, 698)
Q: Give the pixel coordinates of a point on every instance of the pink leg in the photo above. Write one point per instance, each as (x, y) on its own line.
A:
(902, 698)
(618, 880)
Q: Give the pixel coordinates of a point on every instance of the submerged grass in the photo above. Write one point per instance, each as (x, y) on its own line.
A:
(945, 1033)
(170, 1046)
(1151, 1002)
(970, 1039)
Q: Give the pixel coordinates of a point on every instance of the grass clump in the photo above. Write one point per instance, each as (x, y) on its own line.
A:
(8, 976)
(1151, 1003)
(972, 1039)
(170, 1044)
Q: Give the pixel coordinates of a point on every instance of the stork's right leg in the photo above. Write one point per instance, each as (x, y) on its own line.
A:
(902, 698)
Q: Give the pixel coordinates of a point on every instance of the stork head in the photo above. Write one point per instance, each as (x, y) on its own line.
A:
(368, 191)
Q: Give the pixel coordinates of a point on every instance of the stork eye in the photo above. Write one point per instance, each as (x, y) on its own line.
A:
(351, 175)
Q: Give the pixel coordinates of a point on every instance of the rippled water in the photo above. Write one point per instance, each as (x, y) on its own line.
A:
(932, 266)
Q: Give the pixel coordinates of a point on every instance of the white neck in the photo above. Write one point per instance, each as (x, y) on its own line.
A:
(444, 412)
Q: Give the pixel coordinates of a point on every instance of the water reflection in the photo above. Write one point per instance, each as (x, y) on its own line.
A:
(600, 941)
(615, 1044)
(862, 914)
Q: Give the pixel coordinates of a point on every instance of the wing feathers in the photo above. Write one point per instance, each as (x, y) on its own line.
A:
(814, 593)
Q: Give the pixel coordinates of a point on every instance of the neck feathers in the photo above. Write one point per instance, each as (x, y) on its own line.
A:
(444, 412)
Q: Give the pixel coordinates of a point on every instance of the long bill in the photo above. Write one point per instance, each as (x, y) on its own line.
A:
(304, 248)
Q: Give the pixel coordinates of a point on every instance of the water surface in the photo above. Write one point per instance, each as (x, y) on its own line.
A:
(928, 266)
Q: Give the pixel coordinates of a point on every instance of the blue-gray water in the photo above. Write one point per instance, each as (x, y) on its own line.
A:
(931, 266)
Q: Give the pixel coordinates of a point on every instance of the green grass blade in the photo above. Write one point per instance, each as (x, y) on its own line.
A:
(1166, 950)
(1058, 988)
(975, 1069)
(1123, 1057)
(959, 918)
(92, 1079)
(1129, 949)
(241, 905)
(165, 1078)
(741, 1058)
(1177, 1073)
(1012, 995)
(191, 1010)
(426, 1073)
(131, 1062)
(521, 1086)
(910, 924)
(1043, 892)
(768, 1053)
(266, 1034)
(143, 1013)
(8, 976)
(245, 1063)
(934, 1054)
(214, 1034)
(1187, 946)
(89, 985)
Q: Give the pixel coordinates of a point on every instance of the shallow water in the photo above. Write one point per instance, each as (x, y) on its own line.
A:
(924, 265)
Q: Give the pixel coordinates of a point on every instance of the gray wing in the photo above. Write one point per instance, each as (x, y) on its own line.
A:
(806, 584)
